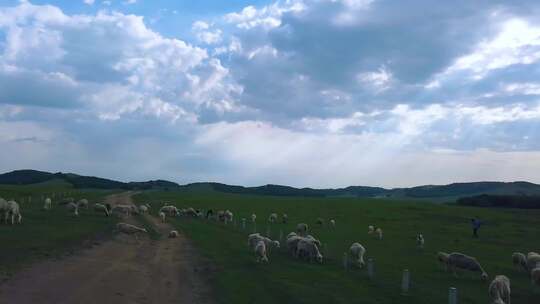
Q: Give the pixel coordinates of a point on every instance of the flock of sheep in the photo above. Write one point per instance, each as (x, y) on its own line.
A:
(300, 244)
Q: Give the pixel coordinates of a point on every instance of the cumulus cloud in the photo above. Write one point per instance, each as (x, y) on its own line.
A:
(289, 92)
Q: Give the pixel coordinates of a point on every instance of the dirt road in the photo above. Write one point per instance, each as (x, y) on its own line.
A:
(121, 270)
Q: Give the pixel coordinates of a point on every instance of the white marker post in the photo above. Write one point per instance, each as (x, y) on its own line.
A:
(371, 268)
(452, 295)
(405, 282)
(345, 261)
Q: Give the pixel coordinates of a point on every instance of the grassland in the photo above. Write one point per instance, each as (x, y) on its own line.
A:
(285, 280)
(47, 233)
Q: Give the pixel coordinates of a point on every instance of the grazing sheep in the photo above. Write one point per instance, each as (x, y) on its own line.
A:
(162, 216)
(126, 209)
(379, 233)
(442, 257)
(499, 290)
(357, 252)
(272, 218)
(73, 208)
(313, 239)
(332, 223)
(260, 252)
(535, 276)
(533, 260)
(291, 234)
(465, 262)
(47, 204)
(308, 249)
(285, 218)
(173, 234)
(370, 229)
(253, 218)
(420, 241)
(292, 244)
(254, 238)
(130, 229)
(12, 210)
(193, 213)
(101, 208)
(143, 209)
(83, 203)
(302, 229)
(519, 260)
(228, 216)
(170, 210)
(319, 221)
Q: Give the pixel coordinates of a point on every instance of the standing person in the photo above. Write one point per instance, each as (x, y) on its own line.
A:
(475, 223)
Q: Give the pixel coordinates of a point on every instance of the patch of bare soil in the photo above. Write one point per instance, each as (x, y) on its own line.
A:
(121, 270)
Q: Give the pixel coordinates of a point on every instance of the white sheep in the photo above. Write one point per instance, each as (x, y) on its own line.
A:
(379, 233)
(162, 216)
(292, 244)
(73, 208)
(519, 260)
(465, 262)
(313, 239)
(332, 223)
(420, 241)
(12, 210)
(533, 260)
(101, 208)
(130, 229)
(357, 252)
(442, 257)
(83, 203)
(291, 234)
(302, 229)
(371, 229)
(126, 209)
(173, 234)
(228, 216)
(499, 290)
(47, 204)
(272, 218)
(253, 218)
(254, 238)
(143, 209)
(170, 210)
(260, 252)
(308, 249)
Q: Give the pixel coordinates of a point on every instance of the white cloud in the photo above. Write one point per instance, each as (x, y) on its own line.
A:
(89, 2)
(378, 80)
(114, 62)
(267, 17)
(517, 42)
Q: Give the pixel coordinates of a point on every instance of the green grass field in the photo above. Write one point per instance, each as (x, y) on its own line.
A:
(47, 233)
(285, 280)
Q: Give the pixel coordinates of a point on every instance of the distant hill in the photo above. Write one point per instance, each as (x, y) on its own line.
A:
(501, 201)
(27, 177)
(437, 193)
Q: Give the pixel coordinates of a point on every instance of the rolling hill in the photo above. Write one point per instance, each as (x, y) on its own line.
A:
(440, 193)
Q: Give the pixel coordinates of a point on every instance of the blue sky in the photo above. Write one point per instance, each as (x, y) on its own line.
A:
(320, 93)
